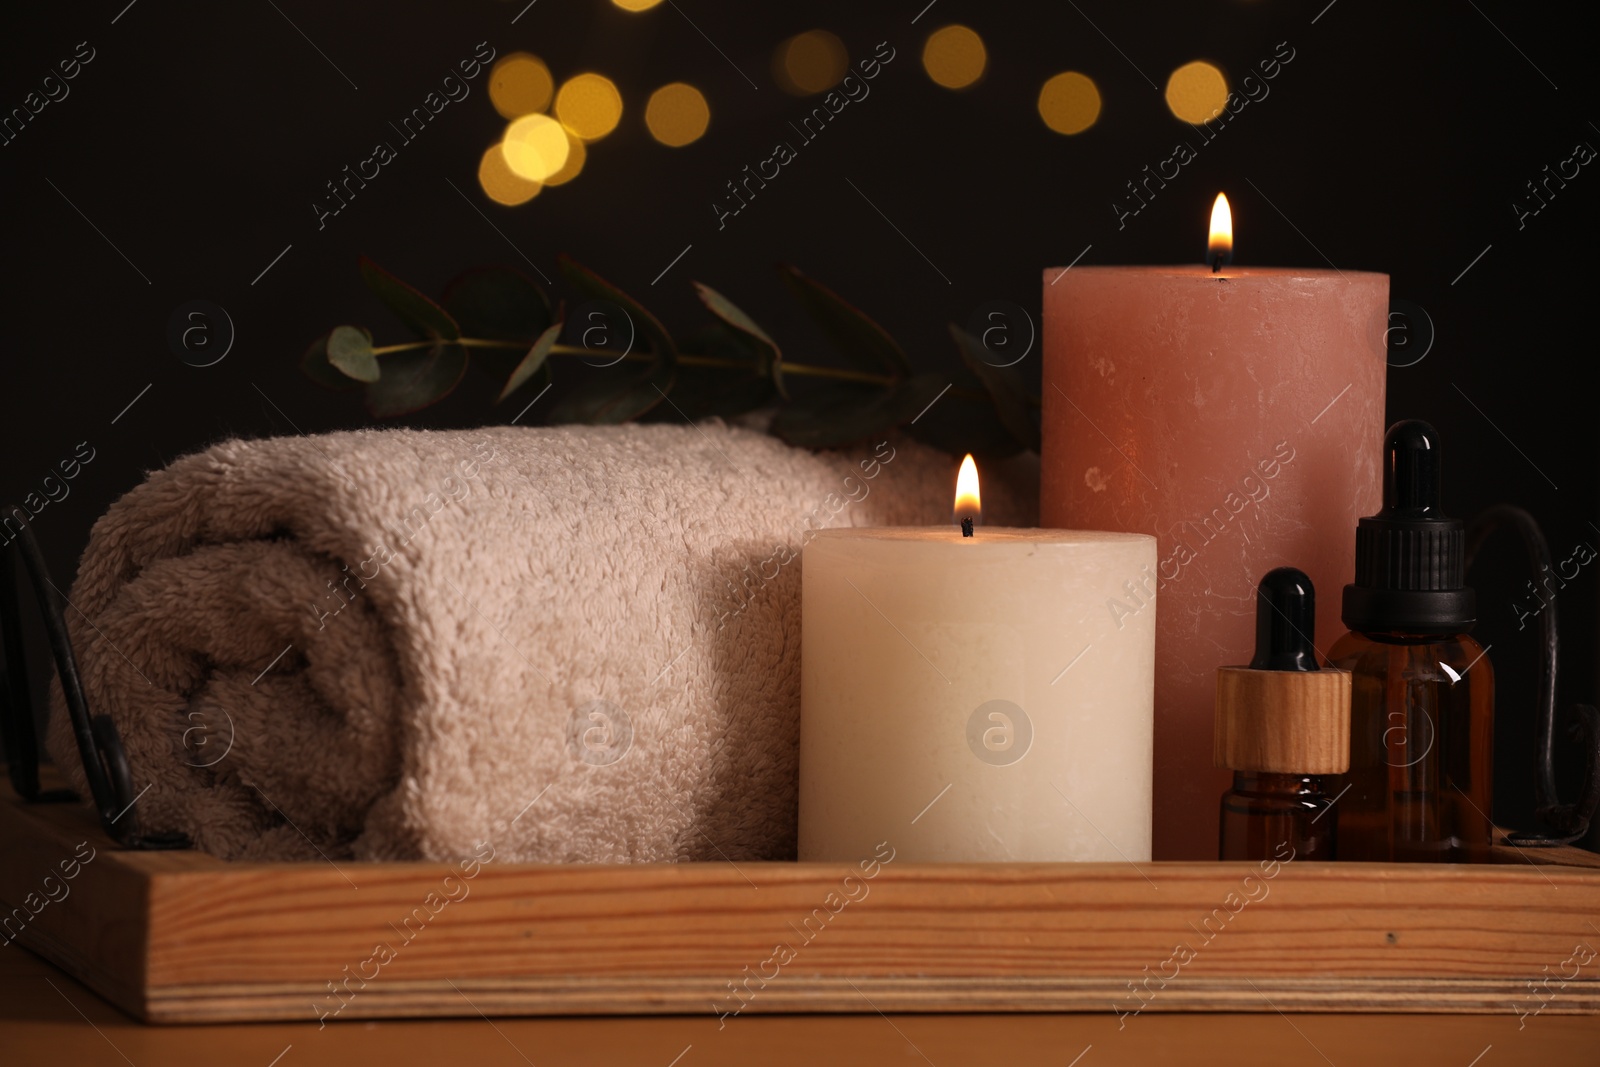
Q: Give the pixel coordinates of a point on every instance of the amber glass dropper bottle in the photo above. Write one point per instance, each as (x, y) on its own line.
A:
(1422, 714)
(1283, 725)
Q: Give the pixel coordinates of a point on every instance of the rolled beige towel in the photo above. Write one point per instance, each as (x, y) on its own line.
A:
(581, 644)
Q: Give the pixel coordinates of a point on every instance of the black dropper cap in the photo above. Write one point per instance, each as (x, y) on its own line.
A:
(1410, 557)
(1286, 619)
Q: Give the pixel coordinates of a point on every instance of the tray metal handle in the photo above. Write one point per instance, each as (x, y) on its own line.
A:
(1567, 822)
(105, 764)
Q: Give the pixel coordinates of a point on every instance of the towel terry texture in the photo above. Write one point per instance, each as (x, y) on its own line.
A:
(579, 644)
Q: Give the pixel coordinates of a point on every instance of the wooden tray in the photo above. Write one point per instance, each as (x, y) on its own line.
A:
(184, 937)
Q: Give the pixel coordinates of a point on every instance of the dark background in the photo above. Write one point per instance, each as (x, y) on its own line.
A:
(1397, 140)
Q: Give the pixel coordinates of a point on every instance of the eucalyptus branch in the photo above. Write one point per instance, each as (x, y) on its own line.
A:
(684, 360)
(494, 303)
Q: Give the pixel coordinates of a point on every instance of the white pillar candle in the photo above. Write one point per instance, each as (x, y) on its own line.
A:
(976, 699)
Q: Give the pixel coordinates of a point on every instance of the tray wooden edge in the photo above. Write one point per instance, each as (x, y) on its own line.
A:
(472, 998)
(106, 944)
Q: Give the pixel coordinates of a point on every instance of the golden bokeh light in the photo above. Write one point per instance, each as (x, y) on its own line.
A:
(589, 105)
(1196, 92)
(954, 57)
(1069, 102)
(677, 114)
(810, 62)
(499, 182)
(577, 155)
(536, 147)
(519, 85)
(636, 5)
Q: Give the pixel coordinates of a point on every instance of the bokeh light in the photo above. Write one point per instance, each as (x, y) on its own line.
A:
(1196, 92)
(677, 114)
(636, 5)
(954, 56)
(576, 156)
(1069, 102)
(519, 85)
(535, 147)
(500, 183)
(811, 62)
(589, 105)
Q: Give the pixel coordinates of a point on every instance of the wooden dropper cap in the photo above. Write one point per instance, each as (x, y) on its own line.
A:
(1282, 714)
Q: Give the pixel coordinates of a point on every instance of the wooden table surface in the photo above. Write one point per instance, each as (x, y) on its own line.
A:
(46, 1018)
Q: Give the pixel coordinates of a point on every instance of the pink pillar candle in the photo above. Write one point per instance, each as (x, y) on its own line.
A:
(1239, 418)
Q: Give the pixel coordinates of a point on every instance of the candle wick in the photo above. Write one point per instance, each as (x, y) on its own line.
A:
(966, 527)
(1216, 263)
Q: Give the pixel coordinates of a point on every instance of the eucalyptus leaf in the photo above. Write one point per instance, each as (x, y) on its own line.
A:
(619, 393)
(314, 365)
(729, 312)
(413, 380)
(350, 352)
(536, 385)
(863, 341)
(608, 400)
(836, 415)
(429, 320)
(964, 421)
(1004, 387)
(701, 392)
(644, 322)
(499, 303)
(744, 325)
(532, 362)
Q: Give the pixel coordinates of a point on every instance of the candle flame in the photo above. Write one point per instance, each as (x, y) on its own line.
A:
(1219, 249)
(968, 504)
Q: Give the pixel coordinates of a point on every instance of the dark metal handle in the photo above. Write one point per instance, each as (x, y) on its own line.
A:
(1569, 822)
(105, 765)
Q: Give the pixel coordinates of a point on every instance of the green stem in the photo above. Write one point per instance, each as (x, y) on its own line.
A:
(803, 370)
(464, 342)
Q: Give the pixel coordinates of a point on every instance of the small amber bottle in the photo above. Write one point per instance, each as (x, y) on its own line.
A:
(1421, 774)
(1282, 724)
